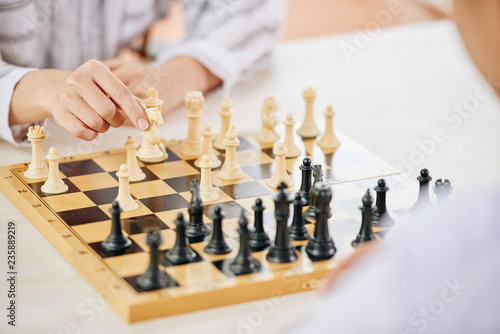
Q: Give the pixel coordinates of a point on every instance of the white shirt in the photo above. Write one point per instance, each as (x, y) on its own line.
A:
(232, 39)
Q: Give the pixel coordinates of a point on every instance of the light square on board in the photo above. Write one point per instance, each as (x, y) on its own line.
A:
(247, 158)
(112, 163)
(200, 246)
(150, 189)
(94, 181)
(167, 243)
(94, 232)
(129, 264)
(220, 182)
(172, 169)
(195, 273)
(69, 201)
(142, 210)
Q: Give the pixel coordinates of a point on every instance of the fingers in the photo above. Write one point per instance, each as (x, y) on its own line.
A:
(75, 126)
(103, 106)
(113, 63)
(122, 96)
(78, 107)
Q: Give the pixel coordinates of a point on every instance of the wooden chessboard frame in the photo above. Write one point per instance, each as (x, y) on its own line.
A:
(278, 280)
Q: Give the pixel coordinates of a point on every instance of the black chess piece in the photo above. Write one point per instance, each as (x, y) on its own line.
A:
(116, 243)
(217, 244)
(244, 263)
(366, 231)
(298, 230)
(381, 216)
(153, 278)
(196, 230)
(259, 240)
(442, 189)
(305, 184)
(423, 200)
(320, 245)
(181, 253)
(282, 250)
(318, 177)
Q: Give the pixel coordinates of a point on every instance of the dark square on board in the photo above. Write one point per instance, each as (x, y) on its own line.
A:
(97, 247)
(141, 224)
(165, 202)
(245, 190)
(77, 168)
(260, 172)
(132, 279)
(83, 216)
(37, 188)
(231, 209)
(102, 196)
(150, 176)
(182, 183)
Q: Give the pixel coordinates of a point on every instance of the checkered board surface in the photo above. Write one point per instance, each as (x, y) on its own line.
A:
(77, 221)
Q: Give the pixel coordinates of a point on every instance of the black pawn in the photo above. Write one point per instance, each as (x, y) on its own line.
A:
(259, 239)
(244, 263)
(181, 253)
(153, 278)
(282, 250)
(381, 216)
(298, 230)
(442, 189)
(318, 177)
(320, 246)
(305, 184)
(116, 243)
(366, 231)
(196, 230)
(423, 200)
(217, 244)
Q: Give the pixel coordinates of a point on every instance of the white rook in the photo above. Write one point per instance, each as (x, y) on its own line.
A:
(37, 168)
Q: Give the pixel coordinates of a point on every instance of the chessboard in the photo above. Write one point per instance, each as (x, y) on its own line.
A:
(77, 221)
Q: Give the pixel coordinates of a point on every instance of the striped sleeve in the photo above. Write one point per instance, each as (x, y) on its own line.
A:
(231, 38)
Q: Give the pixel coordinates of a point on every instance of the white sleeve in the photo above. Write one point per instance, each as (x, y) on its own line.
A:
(233, 39)
(9, 77)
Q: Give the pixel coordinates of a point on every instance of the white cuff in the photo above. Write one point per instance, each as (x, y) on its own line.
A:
(11, 75)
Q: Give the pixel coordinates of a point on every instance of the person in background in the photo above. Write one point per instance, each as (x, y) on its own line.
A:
(61, 58)
(442, 276)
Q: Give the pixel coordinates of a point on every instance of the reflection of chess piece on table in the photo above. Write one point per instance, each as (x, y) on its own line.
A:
(192, 145)
(150, 150)
(309, 128)
(267, 137)
(37, 168)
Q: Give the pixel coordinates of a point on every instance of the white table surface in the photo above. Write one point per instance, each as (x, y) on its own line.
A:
(395, 92)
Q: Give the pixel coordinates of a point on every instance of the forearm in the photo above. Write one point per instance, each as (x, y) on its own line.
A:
(180, 75)
(33, 97)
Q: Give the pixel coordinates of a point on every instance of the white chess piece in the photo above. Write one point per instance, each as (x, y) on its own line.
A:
(267, 137)
(225, 113)
(207, 134)
(231, 168)
(192, 145)
(293, 150)
(150, 150)
(208, 192)
(280, 174)
(153, 100)
(135, 171)
(329, 142)
(309, 128)
(54, 183)
(124, 198)
(37, 168)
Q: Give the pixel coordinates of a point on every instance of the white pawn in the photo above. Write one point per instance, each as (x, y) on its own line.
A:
(231, 168)
(280, 174)
(37, 168)
(124, 198)
(329, 142)
(267, 137)
(293, 150)
(208, 192)
(225, 113)
(309, 128)
(54, 183)
(207, 134)
(135, 171)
